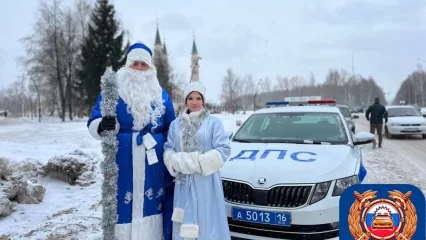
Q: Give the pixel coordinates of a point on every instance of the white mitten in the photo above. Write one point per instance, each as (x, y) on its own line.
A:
(210, 162)
(186, 163)
(168, 162)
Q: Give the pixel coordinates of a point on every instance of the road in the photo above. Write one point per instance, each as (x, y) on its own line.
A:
(401, 160)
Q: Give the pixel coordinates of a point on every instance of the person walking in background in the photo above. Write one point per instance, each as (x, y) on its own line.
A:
(375, 114)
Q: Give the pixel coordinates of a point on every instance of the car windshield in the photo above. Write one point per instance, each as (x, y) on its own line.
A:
(402, 111)
(345, 112)
(293, 127)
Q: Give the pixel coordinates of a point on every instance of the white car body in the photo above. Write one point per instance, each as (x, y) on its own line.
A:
(257, 174)
(423, 110)
(404, 125)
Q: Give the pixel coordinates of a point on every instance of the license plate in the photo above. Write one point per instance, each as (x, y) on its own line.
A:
(262, 217)
(411, 129)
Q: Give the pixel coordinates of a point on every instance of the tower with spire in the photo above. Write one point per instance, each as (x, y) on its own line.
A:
(158, 47)
(195, 67)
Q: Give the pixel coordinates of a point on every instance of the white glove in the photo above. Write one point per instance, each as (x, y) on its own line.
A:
(183, 162)
(193, 162)
(210, 162)
(186, 163)
(168, 162)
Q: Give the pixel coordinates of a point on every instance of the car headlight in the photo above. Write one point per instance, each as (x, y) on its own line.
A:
(395, 124)
(321, 190)
(342, 184)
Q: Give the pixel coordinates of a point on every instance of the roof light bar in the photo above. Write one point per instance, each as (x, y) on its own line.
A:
(323, 101)
(276, 103)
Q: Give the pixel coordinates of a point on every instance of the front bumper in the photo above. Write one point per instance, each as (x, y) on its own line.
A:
(406, 130)
(316, 221)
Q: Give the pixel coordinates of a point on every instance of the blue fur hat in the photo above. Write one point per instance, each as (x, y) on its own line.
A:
(139, 52)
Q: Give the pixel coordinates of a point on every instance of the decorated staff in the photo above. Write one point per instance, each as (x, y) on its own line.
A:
(109, 150)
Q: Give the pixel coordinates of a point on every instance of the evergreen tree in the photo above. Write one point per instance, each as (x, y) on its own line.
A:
(101, 48)
(161, 63)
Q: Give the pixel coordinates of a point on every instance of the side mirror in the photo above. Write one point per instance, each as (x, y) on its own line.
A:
(363, 138)
(239, 123)
(355, 116)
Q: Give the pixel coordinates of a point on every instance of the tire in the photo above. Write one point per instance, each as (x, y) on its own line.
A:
(424, 136)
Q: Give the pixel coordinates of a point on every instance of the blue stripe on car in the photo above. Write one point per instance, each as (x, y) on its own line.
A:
(362, 172)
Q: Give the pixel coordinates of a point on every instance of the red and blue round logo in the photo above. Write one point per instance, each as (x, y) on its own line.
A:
(382, 212)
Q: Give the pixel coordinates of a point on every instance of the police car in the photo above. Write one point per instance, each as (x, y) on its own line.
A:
(287, 169)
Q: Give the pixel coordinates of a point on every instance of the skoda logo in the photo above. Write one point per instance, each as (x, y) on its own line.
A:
(261, 180)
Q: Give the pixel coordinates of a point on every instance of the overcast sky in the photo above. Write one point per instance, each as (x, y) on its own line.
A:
(262, 38)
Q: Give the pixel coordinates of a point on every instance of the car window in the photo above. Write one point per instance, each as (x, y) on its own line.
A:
(402, 111)
(293, 128)
(345, 112)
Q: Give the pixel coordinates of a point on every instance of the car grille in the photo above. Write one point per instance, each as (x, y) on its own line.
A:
(280, 196)
(410, 125)
(305, 232)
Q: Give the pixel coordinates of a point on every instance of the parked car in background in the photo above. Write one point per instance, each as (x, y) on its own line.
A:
(348, 117)
(404, 120)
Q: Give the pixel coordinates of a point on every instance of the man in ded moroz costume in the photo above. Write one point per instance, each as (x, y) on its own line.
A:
(144, 112)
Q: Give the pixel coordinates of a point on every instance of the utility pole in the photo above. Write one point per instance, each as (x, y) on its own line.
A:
(255, 93)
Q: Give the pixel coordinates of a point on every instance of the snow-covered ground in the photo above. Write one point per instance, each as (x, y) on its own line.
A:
(73, 212)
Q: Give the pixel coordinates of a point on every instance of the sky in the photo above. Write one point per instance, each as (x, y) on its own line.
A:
(262, 38)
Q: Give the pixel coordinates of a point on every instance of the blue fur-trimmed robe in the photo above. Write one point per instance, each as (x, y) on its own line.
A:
(145, 192)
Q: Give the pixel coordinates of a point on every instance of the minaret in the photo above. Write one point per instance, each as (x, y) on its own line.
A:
(164, 47)
(158, 48)
(195, 75)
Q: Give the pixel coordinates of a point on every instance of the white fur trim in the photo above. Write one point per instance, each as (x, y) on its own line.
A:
(194, 115)
(93, 128)
(189, 231)
(147, 228)
(186, 163)
(138, 160)
(194, 86)
(139, 54)
(123, 231)
(210, 162)
(168, 162)
(178, 214)
(149, 141)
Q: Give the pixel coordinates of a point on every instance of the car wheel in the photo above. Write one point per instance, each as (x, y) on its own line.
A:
(424, 136)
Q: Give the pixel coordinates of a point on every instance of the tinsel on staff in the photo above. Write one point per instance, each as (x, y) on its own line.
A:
(109, 149)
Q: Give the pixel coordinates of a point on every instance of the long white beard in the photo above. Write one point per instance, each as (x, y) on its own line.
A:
(140, 91)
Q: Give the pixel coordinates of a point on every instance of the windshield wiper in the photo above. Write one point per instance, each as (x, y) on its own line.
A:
(315, 142)
(241, 140)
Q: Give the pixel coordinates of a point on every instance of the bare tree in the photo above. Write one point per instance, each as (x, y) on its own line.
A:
(266, 84)
(230, 90)
(52, 50)
(312, 81)
(283, 84)
(247, 87)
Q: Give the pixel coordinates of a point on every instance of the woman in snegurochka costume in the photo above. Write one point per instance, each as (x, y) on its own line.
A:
(196, 148)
